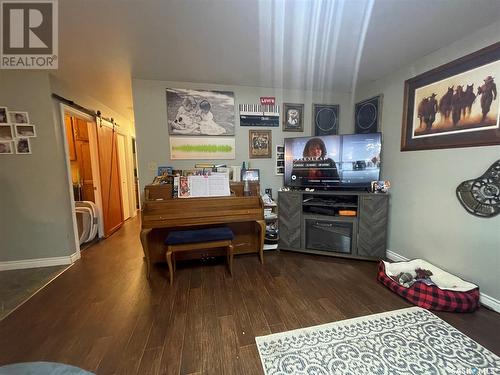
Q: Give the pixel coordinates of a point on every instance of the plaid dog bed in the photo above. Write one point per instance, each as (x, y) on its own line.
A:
(432, 297)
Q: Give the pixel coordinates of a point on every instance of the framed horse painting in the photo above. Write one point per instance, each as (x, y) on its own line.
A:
(454, 105)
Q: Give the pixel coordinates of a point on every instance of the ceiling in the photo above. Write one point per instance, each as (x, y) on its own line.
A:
(306, 44)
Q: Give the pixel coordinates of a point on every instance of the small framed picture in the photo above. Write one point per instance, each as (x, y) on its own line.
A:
(6, 133)
(6, 148)
(25, 131)
(23, 146)
(325, 119)
(3, 115)
(293, 117)
(250, 175)
(260, 144)
(16, 117)
(280, 159)
(163, 170)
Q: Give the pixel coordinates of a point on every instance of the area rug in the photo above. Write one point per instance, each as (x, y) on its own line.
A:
(406, 341)
(42, 368)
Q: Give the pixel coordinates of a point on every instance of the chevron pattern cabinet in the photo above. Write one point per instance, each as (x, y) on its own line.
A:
(290, 204)
(372, 224)
(337, 223)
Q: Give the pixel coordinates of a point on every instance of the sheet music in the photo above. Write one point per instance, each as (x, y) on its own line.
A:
(218, 185)
(198, 186)
(209, 186)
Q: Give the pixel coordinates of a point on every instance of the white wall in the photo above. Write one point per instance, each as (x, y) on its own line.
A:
(152, 132)
(35, 213)
(426, 219)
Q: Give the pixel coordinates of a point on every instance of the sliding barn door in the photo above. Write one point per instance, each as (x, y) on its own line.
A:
(110, 180)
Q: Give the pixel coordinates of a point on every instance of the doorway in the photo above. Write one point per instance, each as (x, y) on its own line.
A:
(98, 173)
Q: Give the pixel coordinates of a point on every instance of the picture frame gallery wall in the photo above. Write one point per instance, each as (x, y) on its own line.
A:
(201, 123)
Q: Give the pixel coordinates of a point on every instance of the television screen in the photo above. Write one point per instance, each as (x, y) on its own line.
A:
(332, 161)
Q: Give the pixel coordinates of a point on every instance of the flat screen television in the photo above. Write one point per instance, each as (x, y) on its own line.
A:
(333, 161)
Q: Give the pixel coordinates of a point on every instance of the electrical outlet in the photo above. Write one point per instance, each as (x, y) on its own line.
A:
(153, 166)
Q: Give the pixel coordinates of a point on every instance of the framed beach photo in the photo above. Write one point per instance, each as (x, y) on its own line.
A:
(3, 115)
(260, 144)
(23, 146)
(293, 117)
(6, 133)
(16, 117)
(25, 131)
(6, 148)
(454, 105)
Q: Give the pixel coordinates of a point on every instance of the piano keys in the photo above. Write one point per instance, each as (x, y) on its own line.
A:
(259, 115)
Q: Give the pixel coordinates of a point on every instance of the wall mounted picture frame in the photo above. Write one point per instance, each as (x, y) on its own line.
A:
(259, 115)
(165, 170)
(367, 115)
(293, 117)
(200, 112)
(454, 105)
(280, 160)
(6, 148)
(25, 131)
(325, 119)
(18, 117)
(259, 144)
(23, 146)
(6, 133)
(4, 119)
(202, 148)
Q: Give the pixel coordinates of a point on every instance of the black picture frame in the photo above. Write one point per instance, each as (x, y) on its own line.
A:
(325, 119)
(251, 175)
(367, 115)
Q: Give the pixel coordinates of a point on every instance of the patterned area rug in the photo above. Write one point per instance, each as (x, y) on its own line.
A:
(407, 341)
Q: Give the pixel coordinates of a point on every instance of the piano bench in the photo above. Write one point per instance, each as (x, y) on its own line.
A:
(197, 239)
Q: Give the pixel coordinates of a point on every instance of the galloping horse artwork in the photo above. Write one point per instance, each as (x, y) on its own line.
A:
(462, 103)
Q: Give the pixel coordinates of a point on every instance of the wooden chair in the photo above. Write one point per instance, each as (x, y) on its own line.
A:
(197, 239)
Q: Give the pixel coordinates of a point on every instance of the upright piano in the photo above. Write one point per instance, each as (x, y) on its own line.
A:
(243, 214)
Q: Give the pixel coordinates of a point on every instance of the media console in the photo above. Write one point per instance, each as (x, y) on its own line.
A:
(319, 222)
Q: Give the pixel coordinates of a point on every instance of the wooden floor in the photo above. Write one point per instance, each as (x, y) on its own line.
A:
(104, 316)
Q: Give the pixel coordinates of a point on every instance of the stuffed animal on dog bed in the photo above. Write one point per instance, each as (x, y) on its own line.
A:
(439, 291)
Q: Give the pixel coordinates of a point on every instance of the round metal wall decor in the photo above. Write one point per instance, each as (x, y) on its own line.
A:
(481, 196)
(325, 119)
(367, 115)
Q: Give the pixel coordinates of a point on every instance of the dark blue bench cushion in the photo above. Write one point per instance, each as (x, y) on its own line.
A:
(178, 237)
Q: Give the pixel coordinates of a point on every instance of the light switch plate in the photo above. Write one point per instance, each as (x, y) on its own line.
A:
(152, 166)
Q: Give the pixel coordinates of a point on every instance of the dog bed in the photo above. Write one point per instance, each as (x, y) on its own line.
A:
(441, 291)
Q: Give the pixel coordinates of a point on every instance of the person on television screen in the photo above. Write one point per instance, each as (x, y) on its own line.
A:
(315, 165)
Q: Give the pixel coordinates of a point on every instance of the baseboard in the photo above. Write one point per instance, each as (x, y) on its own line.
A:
(490, 302)
(484, 299)
(41, 262)
(75, 256)
(395, 257)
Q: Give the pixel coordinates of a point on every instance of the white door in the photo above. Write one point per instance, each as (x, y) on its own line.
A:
(123, 175)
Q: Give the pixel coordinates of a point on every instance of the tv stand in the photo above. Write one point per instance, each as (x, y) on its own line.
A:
(349, 224)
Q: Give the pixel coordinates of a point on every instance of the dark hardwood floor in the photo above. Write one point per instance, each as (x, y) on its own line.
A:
(104, 316)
